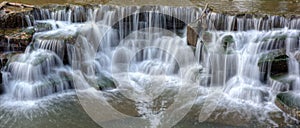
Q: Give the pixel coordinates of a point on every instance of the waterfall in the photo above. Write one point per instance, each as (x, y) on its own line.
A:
(236, 60)
(34, 75)
(245, 22)
(141, 52)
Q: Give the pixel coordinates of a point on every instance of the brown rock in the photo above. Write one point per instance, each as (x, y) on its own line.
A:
(192, 33)
(15, 15)
(15, 39)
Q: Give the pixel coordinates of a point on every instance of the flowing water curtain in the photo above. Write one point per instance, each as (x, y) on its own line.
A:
(147, 52)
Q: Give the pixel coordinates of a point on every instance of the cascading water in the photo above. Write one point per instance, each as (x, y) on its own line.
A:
(140, 52)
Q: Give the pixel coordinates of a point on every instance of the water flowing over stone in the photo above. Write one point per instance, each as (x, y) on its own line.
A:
(142, 53)
(36, 74)
(244, 22)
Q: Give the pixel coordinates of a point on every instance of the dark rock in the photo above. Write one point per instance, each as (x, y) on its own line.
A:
(79, 13)
(273, 64)
(166, 22)
(106, 83)
(1, 88)
(227, 41)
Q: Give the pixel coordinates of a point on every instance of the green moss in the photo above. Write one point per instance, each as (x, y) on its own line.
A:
(291, 99)
(273, 56)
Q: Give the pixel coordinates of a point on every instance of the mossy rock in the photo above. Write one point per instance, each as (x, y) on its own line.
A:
(106, 83)
(227, 42)
(289, 102)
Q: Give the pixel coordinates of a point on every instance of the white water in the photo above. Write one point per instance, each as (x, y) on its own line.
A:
(145, 58)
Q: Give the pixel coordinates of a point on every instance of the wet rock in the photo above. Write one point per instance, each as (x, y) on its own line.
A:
(192, 33)
(289, 102)
(58, 41)
(40, 27)
(273, 64)
(15, 15)
(227, 42)
(106, 83)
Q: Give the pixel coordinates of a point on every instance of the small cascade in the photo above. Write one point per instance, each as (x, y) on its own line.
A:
(58, 46)
(245, 22)
(69, 13)
(33, 75)
(243, 62)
